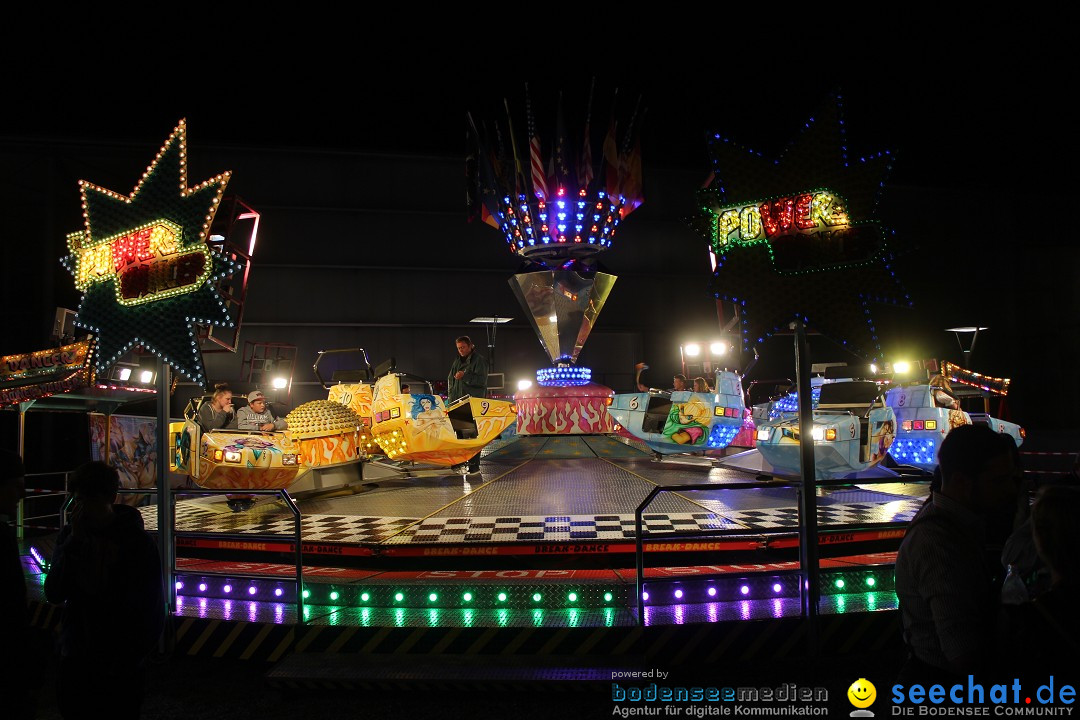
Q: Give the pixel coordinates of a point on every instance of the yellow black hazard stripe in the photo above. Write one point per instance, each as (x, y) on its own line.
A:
(671, 644)
(675, 645)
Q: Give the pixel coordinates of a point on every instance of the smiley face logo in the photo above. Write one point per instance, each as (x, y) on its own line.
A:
(862, 693)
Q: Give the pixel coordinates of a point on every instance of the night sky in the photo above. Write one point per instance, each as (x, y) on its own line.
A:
(975, 127)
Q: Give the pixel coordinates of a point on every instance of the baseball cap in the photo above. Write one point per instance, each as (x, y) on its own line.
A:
(257, 395)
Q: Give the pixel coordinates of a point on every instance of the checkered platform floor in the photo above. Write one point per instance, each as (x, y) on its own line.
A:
(270, 519)
(557, 528)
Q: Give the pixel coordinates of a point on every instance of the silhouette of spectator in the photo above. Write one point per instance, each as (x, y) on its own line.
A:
(701, 385)
(1045, 638)
(678, 383)
(15, 678)
(107, 573)
(948, 573)
(1027, 576)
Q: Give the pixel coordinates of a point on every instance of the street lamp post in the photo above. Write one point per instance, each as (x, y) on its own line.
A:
(973, 330)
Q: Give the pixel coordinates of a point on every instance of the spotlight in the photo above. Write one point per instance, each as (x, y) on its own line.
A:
(524, 384)
(718, 348)
(280, 383)
(712, 592)
(901, 367)
(146, 377)
(693, 350)
(124, 374)
(745, 589)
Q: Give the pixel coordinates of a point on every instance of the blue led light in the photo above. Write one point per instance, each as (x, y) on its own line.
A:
(721, 435)
(914, 451)
(563, 376)
(525, 212)
(790, 403)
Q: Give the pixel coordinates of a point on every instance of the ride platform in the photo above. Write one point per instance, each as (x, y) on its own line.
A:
(543, 540)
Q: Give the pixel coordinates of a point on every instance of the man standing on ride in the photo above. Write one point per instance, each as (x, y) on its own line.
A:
(468, 373)
(468, 376)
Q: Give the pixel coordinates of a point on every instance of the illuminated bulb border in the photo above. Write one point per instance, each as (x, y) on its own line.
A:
(564, 376)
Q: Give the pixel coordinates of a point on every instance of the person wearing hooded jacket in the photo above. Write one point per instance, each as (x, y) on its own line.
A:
(106, 571)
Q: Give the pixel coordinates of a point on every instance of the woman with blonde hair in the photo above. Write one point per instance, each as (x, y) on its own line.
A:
(217, 413)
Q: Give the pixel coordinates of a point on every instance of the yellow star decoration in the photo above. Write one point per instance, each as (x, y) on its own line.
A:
(143, 263)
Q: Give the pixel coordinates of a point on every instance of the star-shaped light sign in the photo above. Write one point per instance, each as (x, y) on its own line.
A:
(796, 237)
(143, 264)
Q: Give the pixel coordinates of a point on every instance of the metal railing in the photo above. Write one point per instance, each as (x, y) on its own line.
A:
(1054, 467)
(296, 538)
(810, 573)
(23, 521)
(298, 551)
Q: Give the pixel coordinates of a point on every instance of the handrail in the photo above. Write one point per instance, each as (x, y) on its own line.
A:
(282, 493)
(296, 536)
(640, 536)
(36, 493)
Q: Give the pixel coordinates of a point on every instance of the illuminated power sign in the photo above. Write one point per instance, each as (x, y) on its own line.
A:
(147, 262)
(143, 264)
(788, 222)
(806, 214)
(796, 236)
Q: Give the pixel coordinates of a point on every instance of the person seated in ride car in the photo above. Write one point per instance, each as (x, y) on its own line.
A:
(258, 416)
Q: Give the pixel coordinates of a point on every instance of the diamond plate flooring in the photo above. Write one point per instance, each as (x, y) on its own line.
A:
(528, 447)
(543, 500)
